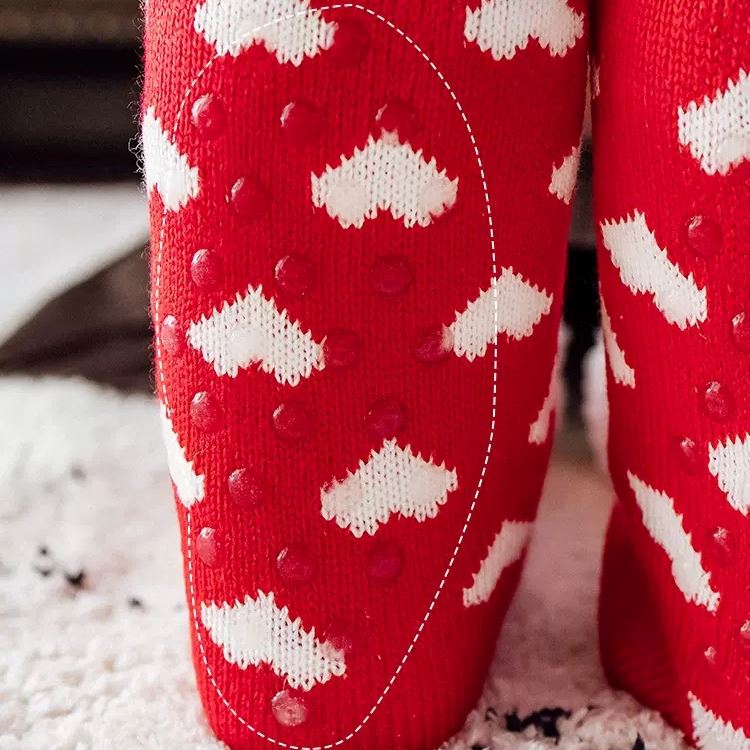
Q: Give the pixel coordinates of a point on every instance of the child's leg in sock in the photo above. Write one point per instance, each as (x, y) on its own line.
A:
(672, 144)
(356, 465)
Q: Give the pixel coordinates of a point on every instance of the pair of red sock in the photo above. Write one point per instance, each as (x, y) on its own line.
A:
(359, 220)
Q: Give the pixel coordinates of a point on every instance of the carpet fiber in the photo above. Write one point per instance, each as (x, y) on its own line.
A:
(93, 628)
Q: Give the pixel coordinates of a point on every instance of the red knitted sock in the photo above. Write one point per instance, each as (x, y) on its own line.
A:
(356, 463)
(672, 144)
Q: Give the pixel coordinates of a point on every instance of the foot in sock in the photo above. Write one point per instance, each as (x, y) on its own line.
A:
(358, 240)
(672, 187)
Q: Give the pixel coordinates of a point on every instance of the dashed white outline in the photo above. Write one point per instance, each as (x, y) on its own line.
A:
(485, 464)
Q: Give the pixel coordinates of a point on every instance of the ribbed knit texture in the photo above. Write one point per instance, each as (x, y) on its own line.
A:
(358, 231)
(672, 190)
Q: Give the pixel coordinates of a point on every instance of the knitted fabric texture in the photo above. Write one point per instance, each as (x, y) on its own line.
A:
(358, 238)
(672, 186)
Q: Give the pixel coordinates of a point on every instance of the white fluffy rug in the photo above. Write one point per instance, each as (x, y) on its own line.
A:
(93, 630)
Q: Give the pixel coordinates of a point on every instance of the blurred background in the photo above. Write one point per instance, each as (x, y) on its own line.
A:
(71, 207)
(74, 215)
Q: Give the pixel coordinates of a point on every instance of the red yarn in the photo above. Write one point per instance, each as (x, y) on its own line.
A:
(673, 641)
(303, 300)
